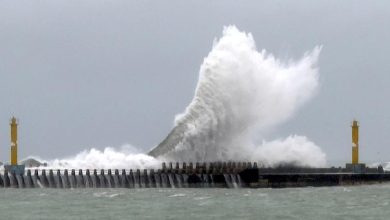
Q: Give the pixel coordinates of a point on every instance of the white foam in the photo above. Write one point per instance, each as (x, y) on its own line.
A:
(296, 150)
(242, 94)
(109, 158)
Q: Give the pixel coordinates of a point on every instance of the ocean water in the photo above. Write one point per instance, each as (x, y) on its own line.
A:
(354, 202)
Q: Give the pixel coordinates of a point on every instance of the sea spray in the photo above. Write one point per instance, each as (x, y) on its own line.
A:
(109, 158)
(242, 93)
(294, 150)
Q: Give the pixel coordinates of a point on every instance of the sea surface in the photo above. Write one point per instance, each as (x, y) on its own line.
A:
(354, 202)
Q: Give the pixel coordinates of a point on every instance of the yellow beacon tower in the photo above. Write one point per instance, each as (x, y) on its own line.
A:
(14, 141)
(14, 168)
(355, 142)
(355, 166)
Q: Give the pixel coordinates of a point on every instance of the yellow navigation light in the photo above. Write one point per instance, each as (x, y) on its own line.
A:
(14, 141)
(355, 142)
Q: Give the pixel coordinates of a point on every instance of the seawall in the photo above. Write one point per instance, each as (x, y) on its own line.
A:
(189, 175)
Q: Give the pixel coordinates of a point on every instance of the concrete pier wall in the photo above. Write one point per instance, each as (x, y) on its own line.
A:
(182, 175)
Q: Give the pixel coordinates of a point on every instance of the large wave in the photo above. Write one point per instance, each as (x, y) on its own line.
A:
(242, 93)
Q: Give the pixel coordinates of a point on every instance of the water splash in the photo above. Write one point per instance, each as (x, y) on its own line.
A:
(242, 93)
(294, 150)
(109, 158)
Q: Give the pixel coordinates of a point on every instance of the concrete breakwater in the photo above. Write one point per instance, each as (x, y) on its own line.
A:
(205, 175)
(301, 177)
(171, 176)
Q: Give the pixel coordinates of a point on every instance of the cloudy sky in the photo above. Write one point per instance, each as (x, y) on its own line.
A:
(82, 74)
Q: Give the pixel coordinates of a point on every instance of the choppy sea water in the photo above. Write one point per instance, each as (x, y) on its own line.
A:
(355, 202)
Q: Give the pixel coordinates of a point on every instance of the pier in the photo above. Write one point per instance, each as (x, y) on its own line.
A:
(189, 175)
(192, 175)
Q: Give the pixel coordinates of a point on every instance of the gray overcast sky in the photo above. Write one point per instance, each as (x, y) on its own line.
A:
(81, 74)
